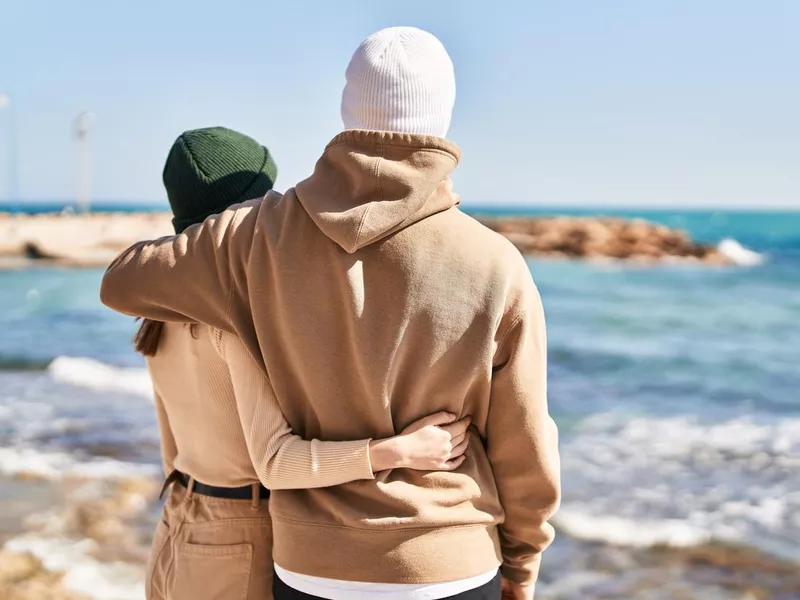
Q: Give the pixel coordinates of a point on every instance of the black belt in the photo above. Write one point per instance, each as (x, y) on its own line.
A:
(238, 493)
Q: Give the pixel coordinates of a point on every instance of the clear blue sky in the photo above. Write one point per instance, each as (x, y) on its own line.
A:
(568, 102)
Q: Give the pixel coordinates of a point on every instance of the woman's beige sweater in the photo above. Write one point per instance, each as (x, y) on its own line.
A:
(220, 422)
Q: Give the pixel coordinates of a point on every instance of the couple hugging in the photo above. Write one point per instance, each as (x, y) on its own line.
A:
(350, 377)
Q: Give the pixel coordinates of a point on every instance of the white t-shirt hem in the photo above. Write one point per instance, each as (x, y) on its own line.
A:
(337, 589)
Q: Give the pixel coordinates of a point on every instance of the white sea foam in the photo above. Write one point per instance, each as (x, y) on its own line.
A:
(677, 481)
(58, 465)
(738, 254)
(83, 574)
(629, 532)
(95, 375)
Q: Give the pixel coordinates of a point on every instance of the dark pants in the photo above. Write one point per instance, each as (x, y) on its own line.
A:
(490, 591)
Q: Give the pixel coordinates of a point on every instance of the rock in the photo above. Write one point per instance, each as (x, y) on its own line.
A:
(23, 577)
(34, 252)
(638, 240)
(18, 567)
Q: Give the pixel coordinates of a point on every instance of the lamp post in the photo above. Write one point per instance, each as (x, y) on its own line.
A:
(13, 192)
(81, 130)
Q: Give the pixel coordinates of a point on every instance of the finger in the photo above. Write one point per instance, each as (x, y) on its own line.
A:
(436, 419)
(455, 441)
(452, 465)
(460, 449)
(456, 429)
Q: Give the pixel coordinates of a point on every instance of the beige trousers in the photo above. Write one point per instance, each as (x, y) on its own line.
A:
(211, 549)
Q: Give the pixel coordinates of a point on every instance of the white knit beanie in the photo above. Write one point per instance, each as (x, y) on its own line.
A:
(400, 79)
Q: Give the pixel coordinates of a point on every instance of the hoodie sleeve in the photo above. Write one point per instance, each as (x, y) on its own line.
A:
(522, 439)
(199, 275)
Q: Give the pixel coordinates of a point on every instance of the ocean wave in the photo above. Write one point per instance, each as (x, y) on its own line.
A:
(738, 254)
(59, 465)
(619, 531)
(82, 573)
(22, 363)
(95, 375)
(678, 481)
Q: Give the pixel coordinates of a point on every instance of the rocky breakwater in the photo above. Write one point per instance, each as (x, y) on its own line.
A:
(76, 240)
(604, 238)
(94, 240)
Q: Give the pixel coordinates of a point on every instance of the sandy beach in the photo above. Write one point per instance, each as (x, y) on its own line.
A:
(91, 240)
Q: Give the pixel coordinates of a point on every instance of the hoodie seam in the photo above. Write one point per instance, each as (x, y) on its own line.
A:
(399, 140)
(502, 344)
(390, 529)
(376, 173)
(229, 308)
(446, 153)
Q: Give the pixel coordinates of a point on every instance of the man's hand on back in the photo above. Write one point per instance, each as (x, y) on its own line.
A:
(515, 591)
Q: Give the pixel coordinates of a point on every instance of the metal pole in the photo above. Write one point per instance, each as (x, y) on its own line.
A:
(82, 129)
(12, 183)
(13, 159)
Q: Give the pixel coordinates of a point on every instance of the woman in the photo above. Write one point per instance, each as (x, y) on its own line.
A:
(224, 440)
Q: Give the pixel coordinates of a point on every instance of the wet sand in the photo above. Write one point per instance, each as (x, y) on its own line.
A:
(21, 497)
(75, 539)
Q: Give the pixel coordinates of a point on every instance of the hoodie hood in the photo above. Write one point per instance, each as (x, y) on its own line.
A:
(370, 184)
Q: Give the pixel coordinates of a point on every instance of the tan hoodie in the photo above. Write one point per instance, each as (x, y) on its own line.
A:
(372, 301)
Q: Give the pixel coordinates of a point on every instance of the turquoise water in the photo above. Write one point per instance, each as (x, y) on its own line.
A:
(675, 387)
(55, 206)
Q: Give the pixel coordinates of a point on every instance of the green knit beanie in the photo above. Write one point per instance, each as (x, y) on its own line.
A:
(210, 169)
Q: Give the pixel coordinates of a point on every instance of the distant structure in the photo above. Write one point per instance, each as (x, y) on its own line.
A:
(13, 187)
(81, 131)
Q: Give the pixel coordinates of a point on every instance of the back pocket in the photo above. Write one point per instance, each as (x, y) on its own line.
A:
(212, 572)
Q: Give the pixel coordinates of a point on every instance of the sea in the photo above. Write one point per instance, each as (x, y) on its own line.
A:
(676, 389)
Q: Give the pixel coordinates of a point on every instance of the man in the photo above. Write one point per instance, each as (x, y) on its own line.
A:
(366, 284)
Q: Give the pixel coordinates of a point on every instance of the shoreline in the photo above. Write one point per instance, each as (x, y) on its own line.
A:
(91, 543)
(94, 542)
(94, 240)
(98, 530)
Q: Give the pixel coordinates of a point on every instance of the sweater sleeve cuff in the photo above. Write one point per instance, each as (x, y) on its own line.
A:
(523, 573)
(352, 458)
